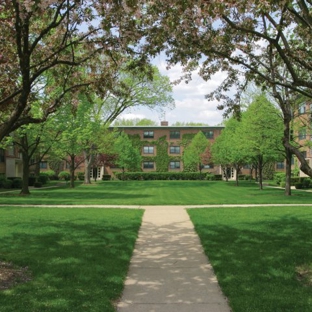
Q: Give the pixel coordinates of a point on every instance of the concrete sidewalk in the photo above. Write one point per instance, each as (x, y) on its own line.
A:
(169, 270)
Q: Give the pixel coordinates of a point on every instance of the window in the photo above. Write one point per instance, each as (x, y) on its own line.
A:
(174, 134)
(43, 165)
(280, 165)
(148, 165)
(148, 149)
(174, 165)
(210, 166)
(148, 134)
(302, 134)
(2, 155)
(302, 108)
(208, 134)
(247, 167)
(174, 149)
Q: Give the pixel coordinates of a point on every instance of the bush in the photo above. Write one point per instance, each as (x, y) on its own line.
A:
(43, 178)
(50, 173)
(2, 179)
(298, 185)
(306, 182)
(31, 181)
(17, 183)
(37, 184)
(279, 177)
(106, 177)
(164, 176)
(7, 184)
(282, 184)
(64, 175)
(80, 176)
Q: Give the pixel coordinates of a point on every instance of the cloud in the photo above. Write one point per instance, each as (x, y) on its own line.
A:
(190, 102)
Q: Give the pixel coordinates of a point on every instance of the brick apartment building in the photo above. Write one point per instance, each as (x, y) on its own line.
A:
(153, 140)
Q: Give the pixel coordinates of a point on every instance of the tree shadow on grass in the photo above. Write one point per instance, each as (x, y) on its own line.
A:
(256, 263)
(74, 267)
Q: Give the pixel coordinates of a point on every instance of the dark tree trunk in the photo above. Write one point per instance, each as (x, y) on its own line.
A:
(260, 165)
(25, 187)
(72, 171)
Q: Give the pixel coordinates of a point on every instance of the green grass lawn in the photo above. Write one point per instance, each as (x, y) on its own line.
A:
(262, 256)
(77, 259)
(158, 193)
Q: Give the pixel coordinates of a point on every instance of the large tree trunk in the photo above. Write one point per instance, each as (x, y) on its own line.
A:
(288, 173)
(88, 160)
(260, 165)
(25, 187)
(72, 171)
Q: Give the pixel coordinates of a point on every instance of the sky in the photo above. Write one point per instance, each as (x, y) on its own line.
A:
(190, 102)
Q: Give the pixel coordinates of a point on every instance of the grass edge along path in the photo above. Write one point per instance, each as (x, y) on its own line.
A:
(262, 257)
(76, 259)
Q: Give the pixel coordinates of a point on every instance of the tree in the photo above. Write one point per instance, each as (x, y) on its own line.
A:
(128, 157)
(194, 152)
(262, 144)
(134, 122)
(265, 42)
(59, 38)
(135, 88)
(227, 149)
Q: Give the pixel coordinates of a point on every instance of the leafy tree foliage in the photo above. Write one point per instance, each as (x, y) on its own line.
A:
(194, 153)
(60, 38)
(227, 149)
(267, 42)
(128, 157)
(262, 144)
(134, 122)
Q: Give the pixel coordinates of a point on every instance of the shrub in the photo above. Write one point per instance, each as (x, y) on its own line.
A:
(31, 181)
(43, 178)
(106, 177)
(80, 176)
(298, 185)
(162, 176)
(305, 182)
(17, 183)
(2, 179)
(50, 173)
(282, 184)
(37, 184)
(279, 177)
(64, 175)
(7, 184)
(218, 177)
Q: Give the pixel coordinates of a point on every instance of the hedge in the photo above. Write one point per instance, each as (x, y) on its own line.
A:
(166, 176)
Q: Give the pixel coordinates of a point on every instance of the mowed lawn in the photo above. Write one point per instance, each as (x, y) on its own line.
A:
(262, 256)
(157, 193)
(73, 259)
(77, 259)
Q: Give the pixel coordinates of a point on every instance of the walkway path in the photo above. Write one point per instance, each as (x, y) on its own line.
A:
(169, 270)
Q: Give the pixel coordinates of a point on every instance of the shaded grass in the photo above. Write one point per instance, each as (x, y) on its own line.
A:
(259, 254)
(78, 258)
(158, 193)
